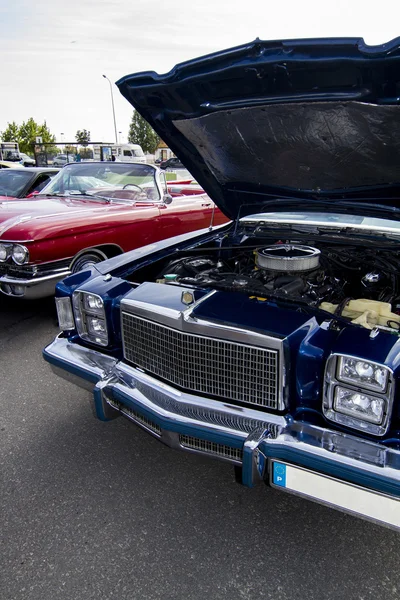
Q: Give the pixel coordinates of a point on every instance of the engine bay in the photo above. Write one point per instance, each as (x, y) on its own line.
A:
(357, 282)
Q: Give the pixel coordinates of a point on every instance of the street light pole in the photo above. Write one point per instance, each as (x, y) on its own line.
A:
(113, 109)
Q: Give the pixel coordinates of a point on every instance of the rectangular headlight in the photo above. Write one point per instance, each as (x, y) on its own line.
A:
(356, 404)
(64, 314)
(358, 393)
(90, 318)
(364, 373)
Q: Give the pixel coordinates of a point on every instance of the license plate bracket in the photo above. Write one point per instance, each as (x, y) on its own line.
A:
(335, 493)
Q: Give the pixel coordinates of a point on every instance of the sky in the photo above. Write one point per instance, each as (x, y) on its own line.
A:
(54, 52)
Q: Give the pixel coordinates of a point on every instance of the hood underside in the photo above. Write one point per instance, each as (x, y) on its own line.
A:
(314, 123)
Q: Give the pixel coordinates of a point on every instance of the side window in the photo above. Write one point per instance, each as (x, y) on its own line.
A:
(127, 153)
(40, 183)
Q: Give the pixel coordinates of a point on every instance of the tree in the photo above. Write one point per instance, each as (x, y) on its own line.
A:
(27, 133)
(11, 133)
(69, 150)
(140, 132)
(82, 136)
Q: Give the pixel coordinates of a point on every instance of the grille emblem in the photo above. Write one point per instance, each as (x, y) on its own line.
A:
(187, 298)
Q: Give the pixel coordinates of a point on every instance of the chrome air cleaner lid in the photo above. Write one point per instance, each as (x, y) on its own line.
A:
(288, 258)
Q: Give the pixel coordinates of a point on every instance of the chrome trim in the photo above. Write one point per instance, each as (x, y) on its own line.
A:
(333, 502)
(263, 435)
(26, 258)
(136, 417)
(271, 258)
(203, 412)
(208, 447)
(331, 381)
(71, 378)
(95, 365)
(159, 398)
(184, 321)
(81, 313)
(35, 287)
(215, 367)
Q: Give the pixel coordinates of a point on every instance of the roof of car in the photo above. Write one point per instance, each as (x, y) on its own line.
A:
(37, 169)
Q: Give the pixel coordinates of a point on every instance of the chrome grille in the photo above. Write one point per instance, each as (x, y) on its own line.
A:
(216, 367)
(187, 441)
(135, 416)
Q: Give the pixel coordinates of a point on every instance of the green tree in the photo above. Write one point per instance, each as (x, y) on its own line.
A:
(140, 132)
(11, 133)
(82, 136)
(29, 131)
(69, 150)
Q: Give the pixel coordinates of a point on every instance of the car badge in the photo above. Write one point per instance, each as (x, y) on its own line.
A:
(187, 298)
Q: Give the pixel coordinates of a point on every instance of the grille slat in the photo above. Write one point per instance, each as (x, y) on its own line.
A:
(225, 369)
(187, 441)
(135, 416)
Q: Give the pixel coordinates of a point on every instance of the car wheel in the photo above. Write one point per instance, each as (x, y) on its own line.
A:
(87, 260)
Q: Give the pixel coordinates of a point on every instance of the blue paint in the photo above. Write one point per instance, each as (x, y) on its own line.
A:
(194, 108)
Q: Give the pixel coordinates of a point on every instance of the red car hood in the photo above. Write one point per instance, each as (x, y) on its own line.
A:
(24, 220)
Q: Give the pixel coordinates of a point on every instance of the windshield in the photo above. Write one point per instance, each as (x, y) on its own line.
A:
(126, 181)
(13, 181)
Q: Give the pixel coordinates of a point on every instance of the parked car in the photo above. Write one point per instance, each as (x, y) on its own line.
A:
(271, 343)
(171, 163)
(63, 159)
(24, 181)
(90, 212)
(6, 164)
(26, 160)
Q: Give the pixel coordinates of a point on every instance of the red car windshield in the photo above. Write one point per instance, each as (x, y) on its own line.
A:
(106, 179)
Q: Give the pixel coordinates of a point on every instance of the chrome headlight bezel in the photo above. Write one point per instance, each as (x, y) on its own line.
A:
(333, 380)
(86, 314)
(25, 254)
(7, 251)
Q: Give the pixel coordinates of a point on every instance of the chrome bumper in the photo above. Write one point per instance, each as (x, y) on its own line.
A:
(175, 417)
(32, 288)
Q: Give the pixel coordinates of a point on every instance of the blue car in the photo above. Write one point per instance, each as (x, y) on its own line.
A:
(273, 342)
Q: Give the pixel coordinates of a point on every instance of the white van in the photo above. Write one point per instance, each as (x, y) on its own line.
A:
(128, 153)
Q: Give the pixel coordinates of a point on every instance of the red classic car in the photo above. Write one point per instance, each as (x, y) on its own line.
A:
(90, 212)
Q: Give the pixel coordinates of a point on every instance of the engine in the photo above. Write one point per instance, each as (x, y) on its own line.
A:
(320, 277)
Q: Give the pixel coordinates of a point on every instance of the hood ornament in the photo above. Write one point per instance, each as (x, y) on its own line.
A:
(187, 298)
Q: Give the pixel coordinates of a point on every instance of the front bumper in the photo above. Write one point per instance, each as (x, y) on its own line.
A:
(31, 288)
(249, 438)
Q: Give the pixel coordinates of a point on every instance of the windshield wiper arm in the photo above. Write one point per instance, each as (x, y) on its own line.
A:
(75, 193)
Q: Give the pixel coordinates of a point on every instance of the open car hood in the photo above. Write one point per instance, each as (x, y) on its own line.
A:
(277, 125)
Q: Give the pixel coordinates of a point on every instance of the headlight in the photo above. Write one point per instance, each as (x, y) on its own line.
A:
(364, 406)
(358, 393)
(5, 252)
(369, 375)
(20, 254)
(90, 317)
(65, 314)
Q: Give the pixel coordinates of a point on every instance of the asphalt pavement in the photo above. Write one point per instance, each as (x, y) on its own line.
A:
(102, 510)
